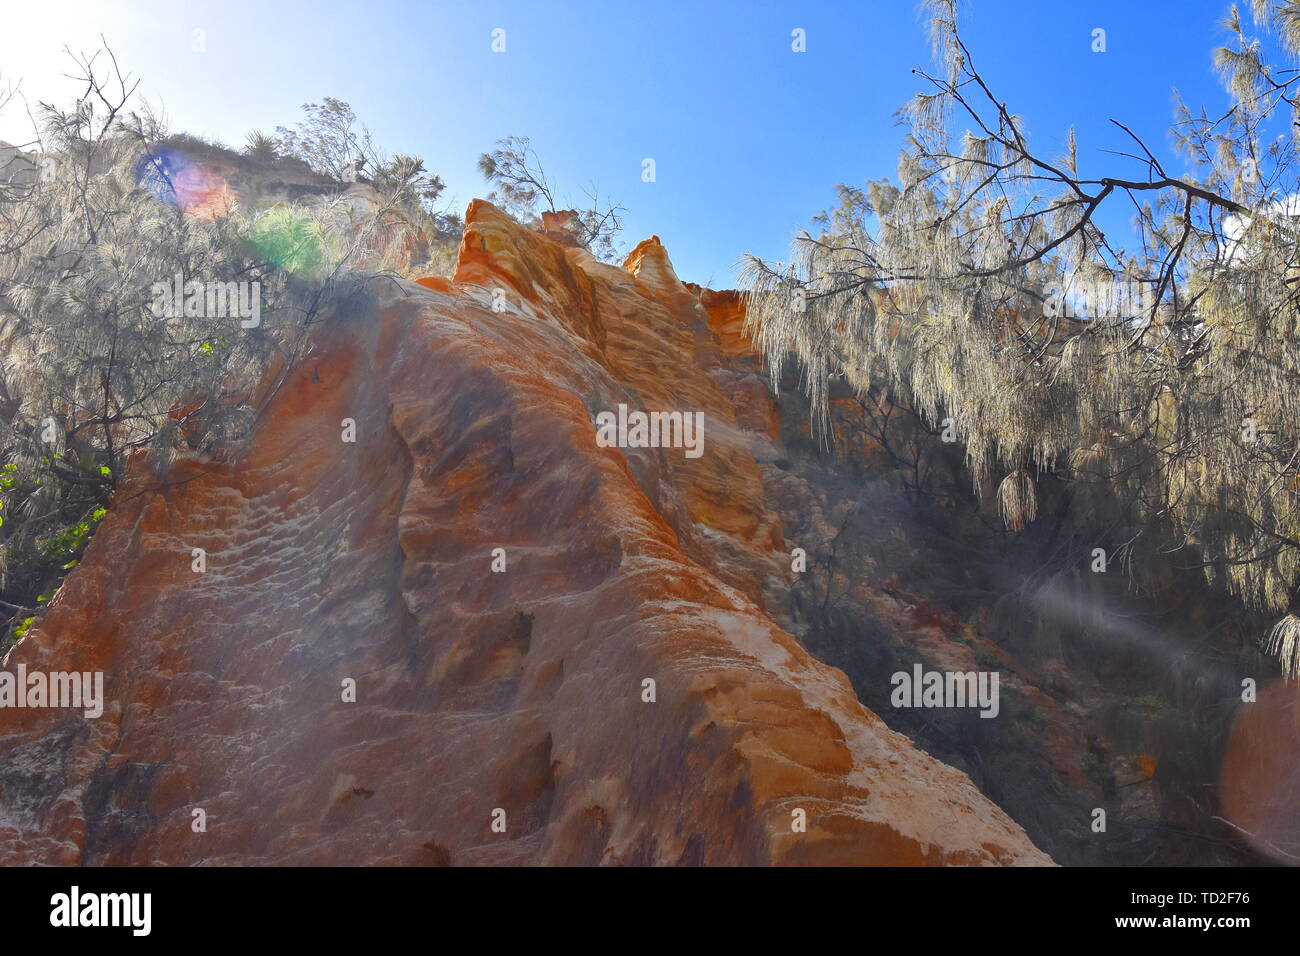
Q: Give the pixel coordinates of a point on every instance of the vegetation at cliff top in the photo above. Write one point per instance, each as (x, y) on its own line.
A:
(98, 214)
(522, 189)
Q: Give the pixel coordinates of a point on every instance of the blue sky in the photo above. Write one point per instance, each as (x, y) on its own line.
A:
(748, 137)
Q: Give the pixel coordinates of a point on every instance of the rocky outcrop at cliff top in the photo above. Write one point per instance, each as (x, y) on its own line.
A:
(514, 697)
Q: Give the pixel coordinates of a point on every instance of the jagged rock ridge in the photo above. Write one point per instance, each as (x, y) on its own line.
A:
(476, 691)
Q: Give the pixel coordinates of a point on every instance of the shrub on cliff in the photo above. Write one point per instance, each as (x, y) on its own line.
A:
(334, 143)
(523, 190)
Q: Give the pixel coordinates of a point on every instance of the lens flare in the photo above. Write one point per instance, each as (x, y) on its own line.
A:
(172, 177)
(289, 239)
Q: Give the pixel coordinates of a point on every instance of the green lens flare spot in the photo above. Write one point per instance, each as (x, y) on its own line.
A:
(288, 239)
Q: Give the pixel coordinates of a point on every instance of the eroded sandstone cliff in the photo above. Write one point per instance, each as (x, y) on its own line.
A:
(477, 691)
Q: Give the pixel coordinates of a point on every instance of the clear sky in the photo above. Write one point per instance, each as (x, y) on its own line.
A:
(748, 137)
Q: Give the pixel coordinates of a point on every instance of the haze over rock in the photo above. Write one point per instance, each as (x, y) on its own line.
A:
(475, 691)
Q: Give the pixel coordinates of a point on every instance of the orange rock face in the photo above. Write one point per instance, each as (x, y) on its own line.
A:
(608, 687)
(1260, 778)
